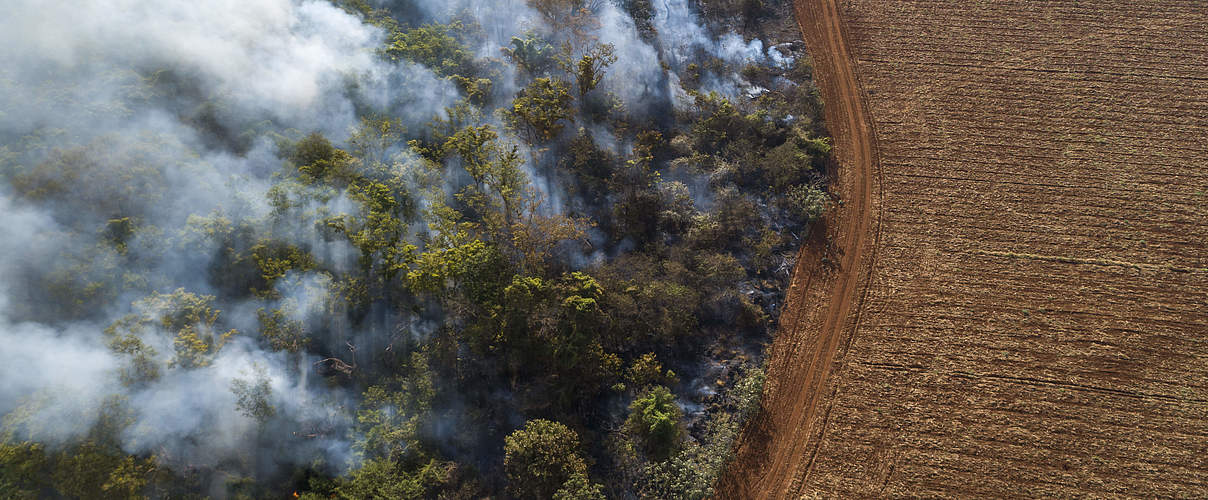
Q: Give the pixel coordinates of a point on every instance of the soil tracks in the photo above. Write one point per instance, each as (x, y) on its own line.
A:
(824, 302)
(1023, 286)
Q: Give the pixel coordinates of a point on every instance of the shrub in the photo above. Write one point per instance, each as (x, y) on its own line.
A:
(692, 473)
(541, 458)
(654, 418)
(647, 370)
(805, 202)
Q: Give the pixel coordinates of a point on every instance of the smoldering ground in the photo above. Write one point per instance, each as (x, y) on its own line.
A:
(163, 113)
(147, 96)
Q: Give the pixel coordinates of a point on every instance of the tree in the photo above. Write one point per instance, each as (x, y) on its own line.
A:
(532, 54)
(639, 203)
(654, 418)
(502, 206)
(455, 118)
(584, 318)
(541, 458)
(91, 471)
(579, 487)
(434, 46)
(649, 300)
(252, 395)
(118, 233)
(189, 318)
(642, 12)
(379, 232)
(647, 370)
(380, 478)
(23, 469)
(589, 70)
(318, 160)
(573, 18)
(590, 164)
(678, 208)
(274, 260)
(539, 110)
(498, 185)
(459, 268)
(441, 48)
(282, 332)
(396, 461)
(372, 138)
(392, 412)
(721, 128)
(537, 236)
(552, 329)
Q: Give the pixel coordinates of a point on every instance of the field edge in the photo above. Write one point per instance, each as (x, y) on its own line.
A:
(825, 299)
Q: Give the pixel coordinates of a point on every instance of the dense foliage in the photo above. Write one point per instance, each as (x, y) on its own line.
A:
(547, 291)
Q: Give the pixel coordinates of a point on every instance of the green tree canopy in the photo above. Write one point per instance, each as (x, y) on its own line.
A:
(434, 46)
(589, 70)
(317, 159)
(189, 318)
(654, 418)
(539, 111)
(541, 458)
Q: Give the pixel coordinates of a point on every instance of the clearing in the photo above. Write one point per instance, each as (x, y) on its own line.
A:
(1015, 301)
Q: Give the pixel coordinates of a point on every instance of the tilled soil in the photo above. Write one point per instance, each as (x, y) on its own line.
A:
(1014, 299)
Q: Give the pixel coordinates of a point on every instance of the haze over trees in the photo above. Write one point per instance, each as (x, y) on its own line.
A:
(391, 250)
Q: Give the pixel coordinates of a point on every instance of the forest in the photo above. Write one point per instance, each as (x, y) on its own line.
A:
(394, 249)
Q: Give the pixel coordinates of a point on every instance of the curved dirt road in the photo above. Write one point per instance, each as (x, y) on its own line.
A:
(824, 301)
(1018, 268)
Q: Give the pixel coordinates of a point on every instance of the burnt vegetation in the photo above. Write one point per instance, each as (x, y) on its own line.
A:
(551, 288)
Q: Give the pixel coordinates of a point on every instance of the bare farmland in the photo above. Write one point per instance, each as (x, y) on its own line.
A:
(1018, 301)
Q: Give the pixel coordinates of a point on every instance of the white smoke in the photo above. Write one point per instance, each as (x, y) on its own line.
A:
(87, 72)
(121, 74)
(682, 34)
(273, 53)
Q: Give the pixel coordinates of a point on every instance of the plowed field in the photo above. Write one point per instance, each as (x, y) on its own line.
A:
(1017, 300)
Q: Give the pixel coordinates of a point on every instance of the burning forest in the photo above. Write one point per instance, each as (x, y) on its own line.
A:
(394, 249)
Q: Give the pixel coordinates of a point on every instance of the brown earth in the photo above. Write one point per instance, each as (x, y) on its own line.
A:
(1015, 300)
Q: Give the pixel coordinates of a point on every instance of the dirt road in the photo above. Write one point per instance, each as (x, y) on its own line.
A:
(825, 299)
(1018, 300)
